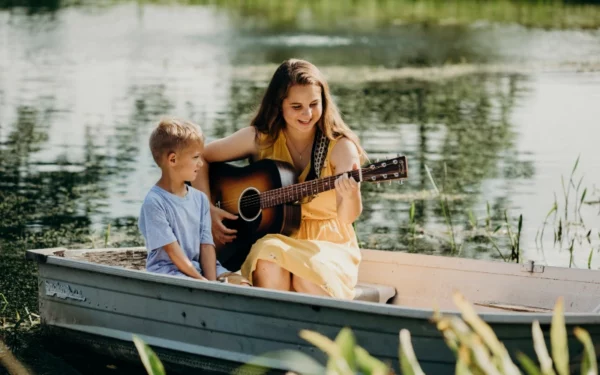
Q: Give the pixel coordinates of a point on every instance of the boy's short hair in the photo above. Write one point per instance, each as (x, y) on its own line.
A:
(172, 135)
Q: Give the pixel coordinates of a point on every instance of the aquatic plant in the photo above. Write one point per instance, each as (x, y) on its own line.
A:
(475, 345)
(446, 212)
(571, 228)
(150, 360)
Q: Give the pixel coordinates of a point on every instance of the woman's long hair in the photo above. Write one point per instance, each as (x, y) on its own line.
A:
(269, 118)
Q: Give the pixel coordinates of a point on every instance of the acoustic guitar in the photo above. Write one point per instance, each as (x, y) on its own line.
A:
(267, 198)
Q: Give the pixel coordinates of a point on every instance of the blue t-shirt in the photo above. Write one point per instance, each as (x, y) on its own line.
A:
(166, 218)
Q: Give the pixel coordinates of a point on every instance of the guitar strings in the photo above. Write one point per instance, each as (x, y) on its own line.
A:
(276, 193)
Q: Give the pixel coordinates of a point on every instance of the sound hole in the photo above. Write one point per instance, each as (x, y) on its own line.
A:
(249, 204)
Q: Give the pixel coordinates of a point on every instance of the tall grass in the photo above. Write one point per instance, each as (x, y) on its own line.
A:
(446, 212)
(568, 225)
(377, 13)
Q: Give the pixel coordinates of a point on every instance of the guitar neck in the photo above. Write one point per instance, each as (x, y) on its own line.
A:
(296, 192)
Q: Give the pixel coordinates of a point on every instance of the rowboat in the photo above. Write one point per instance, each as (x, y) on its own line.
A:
(100, 298)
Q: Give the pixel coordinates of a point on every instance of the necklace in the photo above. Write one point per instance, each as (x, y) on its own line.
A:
(295, 149)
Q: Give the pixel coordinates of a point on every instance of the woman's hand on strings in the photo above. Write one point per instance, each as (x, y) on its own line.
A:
(221, 234)
(346, 186)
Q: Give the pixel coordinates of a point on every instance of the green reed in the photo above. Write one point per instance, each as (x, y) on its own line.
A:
(412, 224)
(445, 207)
(4, 303)
(568, 224)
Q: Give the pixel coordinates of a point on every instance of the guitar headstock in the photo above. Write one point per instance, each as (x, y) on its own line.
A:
(387, 170)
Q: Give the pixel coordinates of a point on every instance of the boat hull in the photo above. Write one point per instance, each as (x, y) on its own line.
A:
(211, 325)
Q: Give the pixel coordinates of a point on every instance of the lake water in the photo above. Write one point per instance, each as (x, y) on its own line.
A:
(498, 114)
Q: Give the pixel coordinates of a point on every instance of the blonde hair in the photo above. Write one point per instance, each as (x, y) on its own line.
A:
(172, 135)
(269, 118)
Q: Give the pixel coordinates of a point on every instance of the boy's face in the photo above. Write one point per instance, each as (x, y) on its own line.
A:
(187, 161)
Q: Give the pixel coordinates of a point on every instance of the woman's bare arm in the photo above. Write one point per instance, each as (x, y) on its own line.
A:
(344, 158)
(238, 145)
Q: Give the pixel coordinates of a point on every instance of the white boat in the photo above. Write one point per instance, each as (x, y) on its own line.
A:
(218, 326)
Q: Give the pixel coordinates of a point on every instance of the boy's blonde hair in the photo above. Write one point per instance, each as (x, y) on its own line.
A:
(172, 135)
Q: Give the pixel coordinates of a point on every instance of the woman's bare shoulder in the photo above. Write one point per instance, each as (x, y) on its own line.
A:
(344, 154)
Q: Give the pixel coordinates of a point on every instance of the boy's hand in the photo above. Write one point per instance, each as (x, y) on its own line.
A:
(221, 233)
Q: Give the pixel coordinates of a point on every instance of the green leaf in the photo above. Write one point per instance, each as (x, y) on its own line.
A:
(481, 357)
(528, 365)
(583, 196)
(346, 342)
(539, 345)
(107, 235)
(322, 342)
(151, 363)
(408, 360)
(558, 338)
(290, 359)
(437, 191)
(336, 360)
(463, 362)
(576, 164)
(368, 364)
(553, 209)
(4, 302)
(486, 333)
(589, 366)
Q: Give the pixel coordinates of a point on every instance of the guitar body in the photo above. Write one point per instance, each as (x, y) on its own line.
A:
(235, 190)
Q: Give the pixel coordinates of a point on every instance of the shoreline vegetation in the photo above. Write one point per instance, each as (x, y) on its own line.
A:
(354, 74)
(366, 14)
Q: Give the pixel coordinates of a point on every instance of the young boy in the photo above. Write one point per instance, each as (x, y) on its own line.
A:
(175, 218)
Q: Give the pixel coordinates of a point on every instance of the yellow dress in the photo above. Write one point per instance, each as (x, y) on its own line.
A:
(323, 250)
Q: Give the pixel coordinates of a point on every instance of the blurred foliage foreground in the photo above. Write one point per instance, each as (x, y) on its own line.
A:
(474, 343)
(477, 350)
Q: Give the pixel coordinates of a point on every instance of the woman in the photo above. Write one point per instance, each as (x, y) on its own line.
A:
(322, 258)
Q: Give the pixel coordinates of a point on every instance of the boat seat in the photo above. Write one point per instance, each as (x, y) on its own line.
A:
(374, 292)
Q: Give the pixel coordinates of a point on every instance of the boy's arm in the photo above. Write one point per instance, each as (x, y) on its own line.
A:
(208, 261)
(178, 258)
(208, 253)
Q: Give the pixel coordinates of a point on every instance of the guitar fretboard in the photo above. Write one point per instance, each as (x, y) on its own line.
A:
(296, 192)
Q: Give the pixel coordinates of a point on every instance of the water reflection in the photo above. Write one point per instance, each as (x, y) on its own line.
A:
(76, 153)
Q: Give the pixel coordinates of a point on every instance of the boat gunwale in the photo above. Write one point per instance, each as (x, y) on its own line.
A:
(48, 256)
